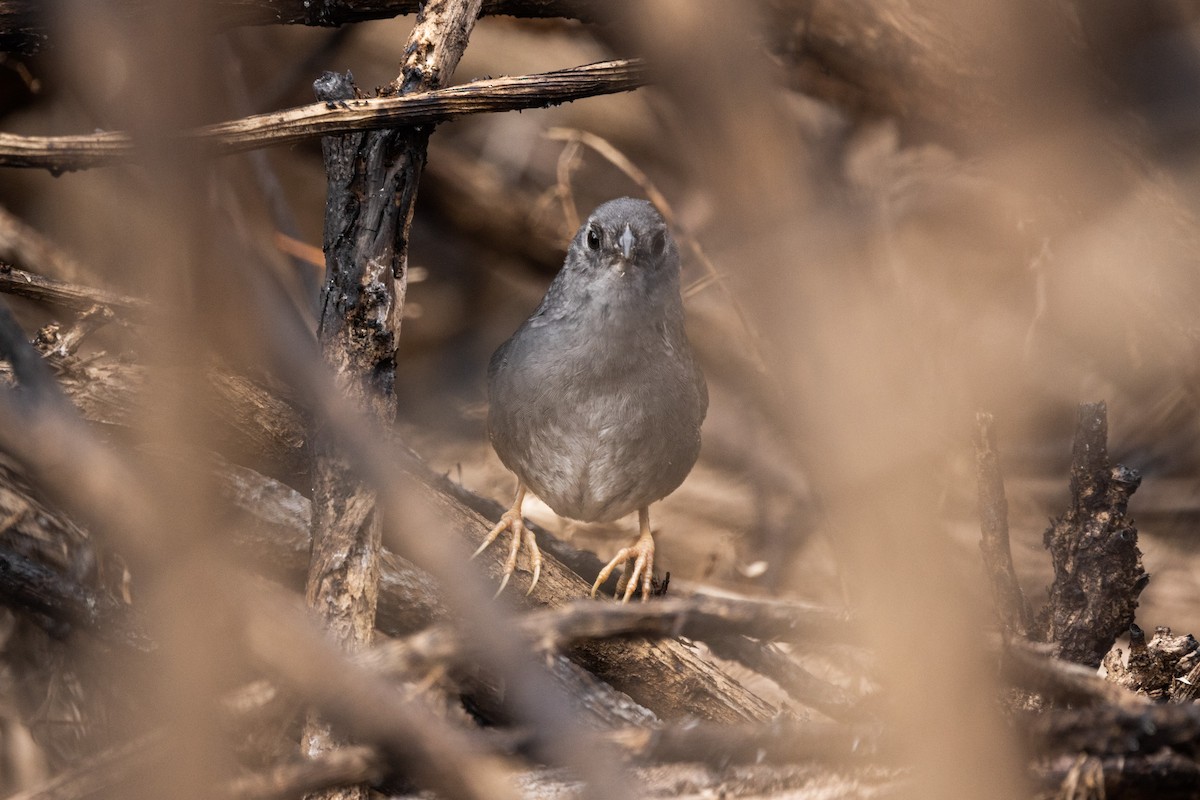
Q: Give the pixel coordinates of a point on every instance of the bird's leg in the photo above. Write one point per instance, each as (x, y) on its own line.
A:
(639, 559)
(512, 520)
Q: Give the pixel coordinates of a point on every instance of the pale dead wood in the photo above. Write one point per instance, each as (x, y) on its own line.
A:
(341, 116)
(1010, 604)
(1161, 669)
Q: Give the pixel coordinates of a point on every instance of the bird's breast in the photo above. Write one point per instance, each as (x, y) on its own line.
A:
(597, 429)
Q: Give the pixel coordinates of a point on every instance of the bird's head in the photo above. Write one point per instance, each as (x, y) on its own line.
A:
(628, 238)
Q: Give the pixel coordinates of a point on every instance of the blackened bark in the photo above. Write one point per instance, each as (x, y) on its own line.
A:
(373, 181)
(1098, 571)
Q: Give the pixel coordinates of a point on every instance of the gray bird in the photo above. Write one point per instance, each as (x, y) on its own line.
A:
(596, 401)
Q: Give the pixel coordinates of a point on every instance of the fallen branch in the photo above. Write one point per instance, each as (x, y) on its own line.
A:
(779, 742)
(1116, 730)
(559, 629)
(1036, 668)
(73, 296)
(1159, 776)
(667, 677)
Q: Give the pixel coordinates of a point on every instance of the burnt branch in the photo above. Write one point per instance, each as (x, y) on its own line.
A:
(338, 115)
(1098, 571)
(559, 629)
(62, 294)
(1158, 776)
(24, 25)
(373, 178)
(1117, 730)
(35, 381)
(62, 605)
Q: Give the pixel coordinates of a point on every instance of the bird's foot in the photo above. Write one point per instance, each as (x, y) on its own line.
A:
(512, 520)
(639, 569)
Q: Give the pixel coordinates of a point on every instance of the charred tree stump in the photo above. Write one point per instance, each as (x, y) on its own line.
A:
(1098, 571)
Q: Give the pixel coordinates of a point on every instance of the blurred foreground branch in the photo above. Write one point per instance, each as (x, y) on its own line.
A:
(1010, 602)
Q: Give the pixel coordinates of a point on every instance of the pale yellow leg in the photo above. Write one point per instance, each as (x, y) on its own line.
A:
(641, 553)
(512, 520)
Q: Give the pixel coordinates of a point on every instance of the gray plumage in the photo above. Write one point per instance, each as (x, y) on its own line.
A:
(596, 401)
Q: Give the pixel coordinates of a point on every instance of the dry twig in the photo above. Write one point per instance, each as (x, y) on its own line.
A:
(338, 116)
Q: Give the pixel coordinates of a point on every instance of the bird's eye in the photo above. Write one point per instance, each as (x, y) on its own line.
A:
(658, 243)
(593, 238)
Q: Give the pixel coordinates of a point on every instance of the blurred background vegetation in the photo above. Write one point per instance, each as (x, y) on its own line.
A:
(907, 211)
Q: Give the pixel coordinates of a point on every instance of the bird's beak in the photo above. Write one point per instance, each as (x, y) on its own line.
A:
(626, 241)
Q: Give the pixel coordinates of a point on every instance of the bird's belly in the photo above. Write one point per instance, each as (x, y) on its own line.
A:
(602, 471)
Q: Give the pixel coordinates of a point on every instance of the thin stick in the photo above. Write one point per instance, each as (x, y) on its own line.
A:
(1011, 607)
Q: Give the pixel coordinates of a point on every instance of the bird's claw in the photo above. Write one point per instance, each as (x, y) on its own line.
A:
(512, 520)
(640, 573)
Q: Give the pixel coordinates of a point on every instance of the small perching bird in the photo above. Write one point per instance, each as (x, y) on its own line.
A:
(596, 401)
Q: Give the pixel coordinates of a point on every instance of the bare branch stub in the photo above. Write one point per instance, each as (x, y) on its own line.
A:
(1098, 571)
(1011, 606)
